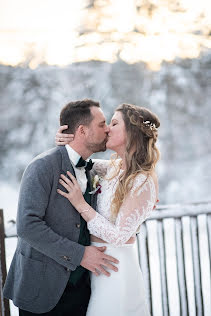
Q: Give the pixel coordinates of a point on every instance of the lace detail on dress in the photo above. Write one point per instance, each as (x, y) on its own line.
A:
(136, 207)
(138, 184)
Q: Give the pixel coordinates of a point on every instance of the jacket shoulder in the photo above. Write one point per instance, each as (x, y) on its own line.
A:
(45, 162)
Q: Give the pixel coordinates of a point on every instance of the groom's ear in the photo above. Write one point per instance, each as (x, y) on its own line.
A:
(81, 130)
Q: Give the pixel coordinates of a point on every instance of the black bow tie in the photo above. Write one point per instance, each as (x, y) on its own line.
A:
(83, 163)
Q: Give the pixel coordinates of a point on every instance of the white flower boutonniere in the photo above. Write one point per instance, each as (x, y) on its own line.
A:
(96, 185)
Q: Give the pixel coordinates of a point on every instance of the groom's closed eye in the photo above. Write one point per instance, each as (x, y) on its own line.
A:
(102, 124)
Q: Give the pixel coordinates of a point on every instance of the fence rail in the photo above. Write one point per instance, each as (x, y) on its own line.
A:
(174, 248)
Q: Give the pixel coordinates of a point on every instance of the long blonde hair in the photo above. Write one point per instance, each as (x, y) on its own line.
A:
(141, 153)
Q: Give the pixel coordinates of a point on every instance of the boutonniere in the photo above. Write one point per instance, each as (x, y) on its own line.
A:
(96, 185)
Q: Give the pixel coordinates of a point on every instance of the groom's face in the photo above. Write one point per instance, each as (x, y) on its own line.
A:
(97, 131)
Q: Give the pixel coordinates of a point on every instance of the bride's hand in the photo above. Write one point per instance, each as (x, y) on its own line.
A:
(74, 193)
(61, 138)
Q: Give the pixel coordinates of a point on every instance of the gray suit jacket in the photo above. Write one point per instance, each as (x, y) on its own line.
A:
(48, 232)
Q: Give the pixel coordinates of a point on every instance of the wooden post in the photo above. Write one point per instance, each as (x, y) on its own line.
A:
(4, 307)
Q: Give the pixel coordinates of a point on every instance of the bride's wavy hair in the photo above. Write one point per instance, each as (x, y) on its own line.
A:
(141, 153)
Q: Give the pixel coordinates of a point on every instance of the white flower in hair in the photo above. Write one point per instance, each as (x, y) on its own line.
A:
(151, 125)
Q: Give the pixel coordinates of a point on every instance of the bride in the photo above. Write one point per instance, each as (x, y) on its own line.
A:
(128, 193)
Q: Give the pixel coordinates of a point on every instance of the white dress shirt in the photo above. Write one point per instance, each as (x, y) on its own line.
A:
(79, 172)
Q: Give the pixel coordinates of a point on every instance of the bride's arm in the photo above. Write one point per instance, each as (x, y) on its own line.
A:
(136, 207)
(62, 138)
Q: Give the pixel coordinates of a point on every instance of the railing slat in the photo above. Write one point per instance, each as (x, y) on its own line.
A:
(171, 268)
(154, 268)
(181, 267)
(162, 256)
(189, 275)
(196, 266)
(209, 233)
(204, 260)
(144, 262)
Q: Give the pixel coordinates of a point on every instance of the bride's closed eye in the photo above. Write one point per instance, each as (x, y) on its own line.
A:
(113, 123)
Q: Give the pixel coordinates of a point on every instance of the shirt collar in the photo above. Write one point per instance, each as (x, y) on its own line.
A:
(73, 155)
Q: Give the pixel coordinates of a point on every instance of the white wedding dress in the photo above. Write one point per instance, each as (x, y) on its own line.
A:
(121, 294)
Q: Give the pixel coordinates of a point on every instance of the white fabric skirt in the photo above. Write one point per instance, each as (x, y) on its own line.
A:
(121, 294)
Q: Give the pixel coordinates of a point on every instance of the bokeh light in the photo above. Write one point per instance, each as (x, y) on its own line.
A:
(66, 31)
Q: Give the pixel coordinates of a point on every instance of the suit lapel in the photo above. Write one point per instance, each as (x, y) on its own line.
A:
(89, 184)
(93, 196)
(66, 163)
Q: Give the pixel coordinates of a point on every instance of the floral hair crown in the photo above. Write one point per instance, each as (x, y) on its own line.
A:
(151, 125)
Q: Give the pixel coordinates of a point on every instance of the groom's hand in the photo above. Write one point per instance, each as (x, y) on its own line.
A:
(95, 260)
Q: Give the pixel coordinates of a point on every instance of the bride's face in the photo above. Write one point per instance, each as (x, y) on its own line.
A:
(117, 136)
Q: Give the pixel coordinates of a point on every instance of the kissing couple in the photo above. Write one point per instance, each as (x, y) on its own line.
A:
(77, 219)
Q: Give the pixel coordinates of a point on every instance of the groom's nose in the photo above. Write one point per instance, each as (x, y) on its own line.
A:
(107, 129)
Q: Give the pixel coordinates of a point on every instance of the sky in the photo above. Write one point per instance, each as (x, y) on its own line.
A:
(62, 32)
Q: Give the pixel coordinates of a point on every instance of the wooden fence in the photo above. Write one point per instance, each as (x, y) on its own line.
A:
(174, 248)
(4, 307)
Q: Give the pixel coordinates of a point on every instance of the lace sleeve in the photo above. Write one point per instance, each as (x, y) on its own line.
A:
(101, 166)
(136, 207)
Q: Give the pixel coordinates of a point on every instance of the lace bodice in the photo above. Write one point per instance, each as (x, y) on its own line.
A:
(136, 207)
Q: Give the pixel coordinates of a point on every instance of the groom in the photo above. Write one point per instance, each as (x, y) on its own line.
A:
(49, 271)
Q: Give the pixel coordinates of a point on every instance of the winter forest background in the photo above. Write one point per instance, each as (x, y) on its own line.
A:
(150, 53)
(179, 93)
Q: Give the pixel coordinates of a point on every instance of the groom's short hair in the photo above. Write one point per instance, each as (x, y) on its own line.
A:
(77, 113)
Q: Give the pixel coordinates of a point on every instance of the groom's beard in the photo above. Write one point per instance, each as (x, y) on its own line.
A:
(95, 148)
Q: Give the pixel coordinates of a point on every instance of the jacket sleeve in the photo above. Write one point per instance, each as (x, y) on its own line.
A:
(136, 207)
(34, 196)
